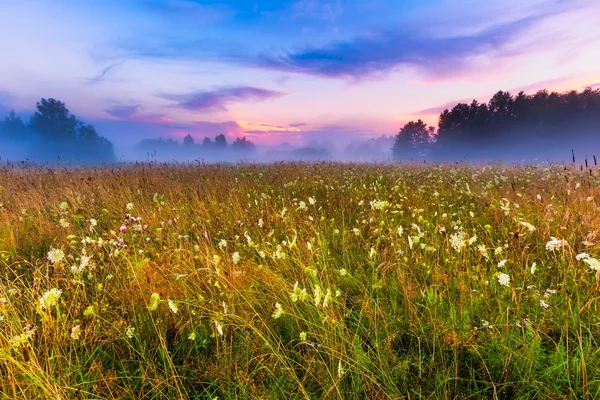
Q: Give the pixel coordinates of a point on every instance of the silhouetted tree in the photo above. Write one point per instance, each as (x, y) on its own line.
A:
(220, 141)
(53, 121)
(243, 145)
(207, 142)
(188, 141)
(13, 127)
(413, 140)
(520, 126)
(67, 136)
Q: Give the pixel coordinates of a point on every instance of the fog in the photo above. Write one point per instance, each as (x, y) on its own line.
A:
(543, 127)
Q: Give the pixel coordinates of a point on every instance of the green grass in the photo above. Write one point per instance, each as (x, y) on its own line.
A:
(387, 276)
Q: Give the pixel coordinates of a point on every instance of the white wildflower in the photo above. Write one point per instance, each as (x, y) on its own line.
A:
(75, 332)
(173, 306)
(130, 331)
(504, 279)
(50, 298)
(56, 256)
(555, 243)
(278, 311)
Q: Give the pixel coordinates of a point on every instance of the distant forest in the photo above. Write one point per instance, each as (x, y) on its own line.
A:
(53, 133)
(209, 149)
(546, 125)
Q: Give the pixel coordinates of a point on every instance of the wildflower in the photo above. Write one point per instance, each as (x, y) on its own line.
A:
(50, 298)
(582, 256)
(56, 256)
(472, 240)
(278, 311)
(154, 301)
(317, 295)
(356, 231)
(343, 272)
(173, 306)
(311, 201)
(130, 331)
(527, 225)
(260, 223)
(504, 279)
(372, 252)
(457, 241)
(84, 262)
(593, 263)
(483, 251)
(222, 243)
(379, 204)
(235, 257)
(89, 311)
(129, 206)
(64, 223)
(64, 206)
(543, 304)
(22, 339)
(327, 298)
(340, 369)
(486, 324)
(75, 332)
(302, 205)
(279, 254)
(498, 250)
(219, 327)
(502, 263)
(93, 222)
(303, 335)
(532, 268)
(555, 243)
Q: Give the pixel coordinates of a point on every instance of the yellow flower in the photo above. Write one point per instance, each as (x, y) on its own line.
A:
(154, 301)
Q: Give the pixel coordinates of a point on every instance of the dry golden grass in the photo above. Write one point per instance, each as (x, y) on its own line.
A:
(300, 281)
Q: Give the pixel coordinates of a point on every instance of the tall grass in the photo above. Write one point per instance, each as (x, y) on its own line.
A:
(299, 281)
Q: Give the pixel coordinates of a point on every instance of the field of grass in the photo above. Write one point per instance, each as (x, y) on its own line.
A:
(300, 281)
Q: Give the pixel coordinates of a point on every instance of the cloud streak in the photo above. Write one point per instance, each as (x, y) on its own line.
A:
(219, 99)
(101, 77)
(369, 56)
(123, 112)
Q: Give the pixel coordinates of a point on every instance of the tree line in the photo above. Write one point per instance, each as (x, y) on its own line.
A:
(53, 133)
(220, 143)
(511, 127)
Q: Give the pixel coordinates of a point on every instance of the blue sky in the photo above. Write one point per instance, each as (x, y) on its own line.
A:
(293, 70)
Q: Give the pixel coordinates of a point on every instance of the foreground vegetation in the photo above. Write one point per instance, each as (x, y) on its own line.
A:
(300, 281)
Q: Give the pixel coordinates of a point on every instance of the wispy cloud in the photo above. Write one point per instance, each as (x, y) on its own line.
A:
(218, 99)
(123, 112)
(101, 77)
(380, 53)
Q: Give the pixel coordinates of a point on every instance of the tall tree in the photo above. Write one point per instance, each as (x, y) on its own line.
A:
(220, 141)
(188, 141)
(53, 121)
(413, 140)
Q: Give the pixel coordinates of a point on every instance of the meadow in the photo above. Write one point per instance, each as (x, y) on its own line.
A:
(300, 281)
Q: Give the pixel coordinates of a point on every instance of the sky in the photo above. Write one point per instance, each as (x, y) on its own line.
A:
(294, 71)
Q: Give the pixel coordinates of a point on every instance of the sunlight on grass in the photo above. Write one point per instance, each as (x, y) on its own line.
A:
(297, 280)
